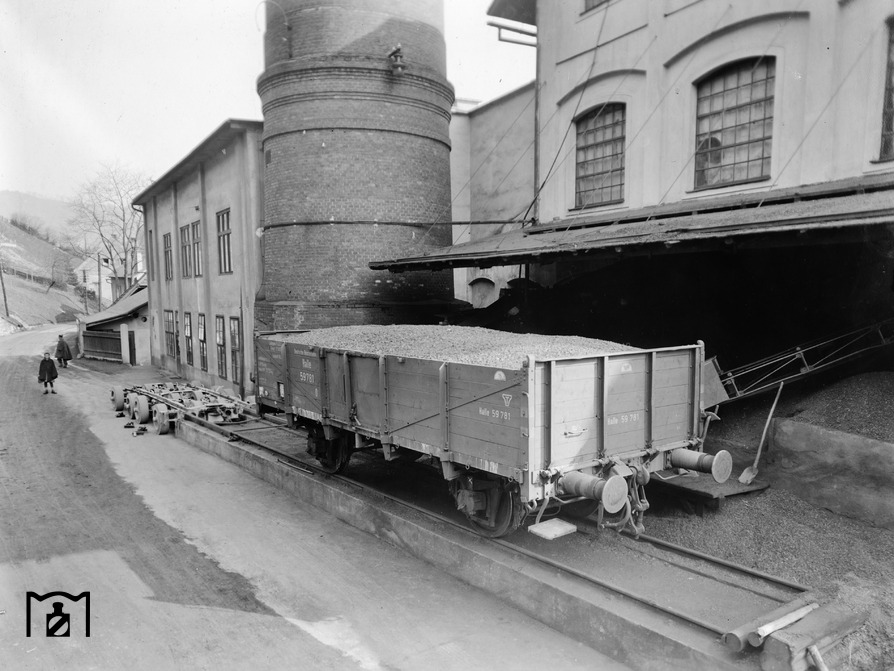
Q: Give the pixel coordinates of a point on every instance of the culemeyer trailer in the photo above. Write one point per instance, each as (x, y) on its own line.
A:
(579, 431)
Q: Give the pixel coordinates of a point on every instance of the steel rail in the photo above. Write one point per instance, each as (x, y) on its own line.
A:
(303, 466)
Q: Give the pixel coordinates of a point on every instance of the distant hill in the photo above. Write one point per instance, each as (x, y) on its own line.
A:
(47, 213)
(25, 253)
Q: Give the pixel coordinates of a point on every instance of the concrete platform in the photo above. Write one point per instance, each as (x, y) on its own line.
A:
(843, 472)
(611, 624)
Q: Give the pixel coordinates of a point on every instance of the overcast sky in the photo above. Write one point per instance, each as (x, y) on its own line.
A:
(86, 82)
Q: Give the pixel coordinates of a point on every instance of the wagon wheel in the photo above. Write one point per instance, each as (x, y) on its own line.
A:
(128, 403)
(333, 455)
(503, 503)
(161, 418)
(118, 398)
(141, 409)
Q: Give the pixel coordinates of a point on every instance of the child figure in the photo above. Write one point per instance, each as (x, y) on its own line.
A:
(47, 373)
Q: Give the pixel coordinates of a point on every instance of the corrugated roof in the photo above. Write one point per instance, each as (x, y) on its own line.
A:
(123, 307)
(689, 226)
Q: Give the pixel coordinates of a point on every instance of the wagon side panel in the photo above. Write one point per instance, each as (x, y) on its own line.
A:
(306, 388)
(675, 398)
(488, 417)
(270, 364)
(413, 403)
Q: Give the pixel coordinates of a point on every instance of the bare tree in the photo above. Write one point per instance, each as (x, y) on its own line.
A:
(110, 227)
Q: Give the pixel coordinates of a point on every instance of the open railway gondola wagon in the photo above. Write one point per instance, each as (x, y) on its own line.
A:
(583, 429)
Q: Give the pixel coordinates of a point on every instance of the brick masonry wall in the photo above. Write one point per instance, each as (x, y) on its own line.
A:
(329, 263)
(348, 140)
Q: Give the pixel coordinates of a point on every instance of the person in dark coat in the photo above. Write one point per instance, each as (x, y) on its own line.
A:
(47, 373)
(63, 352)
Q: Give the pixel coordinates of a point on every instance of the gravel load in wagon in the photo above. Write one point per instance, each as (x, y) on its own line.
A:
(459, 344)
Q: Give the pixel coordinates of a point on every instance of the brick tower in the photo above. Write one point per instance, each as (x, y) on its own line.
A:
(356, 149)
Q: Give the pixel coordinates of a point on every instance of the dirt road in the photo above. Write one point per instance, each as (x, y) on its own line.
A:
(190, 563)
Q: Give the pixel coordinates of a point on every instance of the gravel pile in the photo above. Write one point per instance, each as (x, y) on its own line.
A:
(862, 404)
(460, 344)
(845, 561)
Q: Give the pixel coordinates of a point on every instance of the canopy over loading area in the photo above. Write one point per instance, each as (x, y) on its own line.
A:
(831, 212)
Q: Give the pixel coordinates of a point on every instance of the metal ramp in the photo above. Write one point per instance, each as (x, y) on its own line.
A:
(793, 364)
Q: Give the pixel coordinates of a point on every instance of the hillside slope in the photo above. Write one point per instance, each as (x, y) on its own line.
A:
(31, 304)
(25, 253)
(49, 214)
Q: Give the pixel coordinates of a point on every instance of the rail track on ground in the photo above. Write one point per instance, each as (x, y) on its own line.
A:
(698, 591)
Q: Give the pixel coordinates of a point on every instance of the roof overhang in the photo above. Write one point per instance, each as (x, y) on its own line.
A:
(123, 308)
(523, 11)
(831, 212)
(209, 147)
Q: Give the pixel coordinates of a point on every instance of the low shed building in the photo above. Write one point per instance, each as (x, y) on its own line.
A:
(120, 332)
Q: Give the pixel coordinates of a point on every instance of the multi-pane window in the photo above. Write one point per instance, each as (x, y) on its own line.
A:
(223, 242)
(203, 344)
(734, 124)
(600, 156)
(887, 150)
(220, 339)
(236, 349)
(187, 336)
(197, 248)
(169, 261)
(185, 253)
(170, 334)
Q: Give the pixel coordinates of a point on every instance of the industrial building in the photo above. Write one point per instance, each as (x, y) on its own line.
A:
(678, 171)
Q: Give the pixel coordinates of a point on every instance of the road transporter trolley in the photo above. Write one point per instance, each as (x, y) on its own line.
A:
(582, 432)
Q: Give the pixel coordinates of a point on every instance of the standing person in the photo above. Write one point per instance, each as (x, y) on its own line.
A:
(63, 352)
(47, 372)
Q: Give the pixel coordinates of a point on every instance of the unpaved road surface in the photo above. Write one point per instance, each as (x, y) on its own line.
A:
(191, 563)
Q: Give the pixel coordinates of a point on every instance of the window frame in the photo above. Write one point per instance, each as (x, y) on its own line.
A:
(203, 343)
(236, 349)
(588, 150)
(185, 253)
(168, 254)
(224, 242)
(187, 337)
(170, 333)
(718, 142)
(197, 248)
(886, 139)
(220, 341)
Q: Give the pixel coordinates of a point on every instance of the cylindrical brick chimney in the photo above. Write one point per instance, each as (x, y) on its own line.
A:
(357, 160)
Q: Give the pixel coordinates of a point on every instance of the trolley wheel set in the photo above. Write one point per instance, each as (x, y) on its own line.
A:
(162, 404)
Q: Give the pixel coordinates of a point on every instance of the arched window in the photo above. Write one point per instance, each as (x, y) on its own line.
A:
(600, 156)
(734, 124)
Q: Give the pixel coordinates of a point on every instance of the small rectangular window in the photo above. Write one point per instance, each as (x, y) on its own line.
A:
(185, 253)
(224, 257)
(203, 344)
(169, 261)
(187, 336)
(220, 339)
